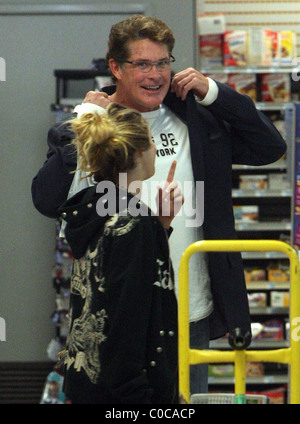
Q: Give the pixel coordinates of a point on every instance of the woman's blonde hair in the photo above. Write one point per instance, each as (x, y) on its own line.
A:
(106, 143)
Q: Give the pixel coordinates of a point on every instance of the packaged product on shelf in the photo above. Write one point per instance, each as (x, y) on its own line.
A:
(221, 370)
(278, 273)
(257, 300)
(276, 396)
(275, 48)
(271, 330)
(280, 299)
(246, 214)
(260, 43)
(211, 28)
(235, 48)
(244, 84)
(255, 274)
(279, 182)
(287, 43)
(53, 390)
(254, 369)
(210, 48)
(253, 182)
(276, 87)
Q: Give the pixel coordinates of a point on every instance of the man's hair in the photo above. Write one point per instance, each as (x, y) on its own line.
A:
(137, 27)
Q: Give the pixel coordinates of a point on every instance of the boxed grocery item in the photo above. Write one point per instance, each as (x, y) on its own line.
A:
(211, 23)
(279, 182)
(244, 84)
(260, 47)
(246, 214)
(271, 330)
(211, 52)
(276, 87)
(257, 300)
(235, 48)
(254, 369)
(275, 48)
(280, 299)
(221, 370)
(287, 45)
(278, 273)
(256, 274)
(211, 28)
(253, 182)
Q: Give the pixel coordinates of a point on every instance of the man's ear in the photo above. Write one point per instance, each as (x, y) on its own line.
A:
(115, 68)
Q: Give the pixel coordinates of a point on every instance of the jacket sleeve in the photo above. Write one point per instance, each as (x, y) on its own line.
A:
(129, 281)
(255, 139)
(50, 186)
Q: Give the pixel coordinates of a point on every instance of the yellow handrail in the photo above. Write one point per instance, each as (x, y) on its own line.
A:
(290, 355)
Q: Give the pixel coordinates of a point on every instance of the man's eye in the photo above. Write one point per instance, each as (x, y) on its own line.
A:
(143, 64)
(163, 62)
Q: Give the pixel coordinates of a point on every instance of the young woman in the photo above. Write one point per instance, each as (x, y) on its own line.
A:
(122, 344)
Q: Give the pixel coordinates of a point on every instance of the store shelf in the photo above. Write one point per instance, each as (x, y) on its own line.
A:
(264, 226)
(251, 70)
(268, 285)
(264, 255)
(223, 344)
(262, 193)
(279, 165)
(269, 310)
(264, 379)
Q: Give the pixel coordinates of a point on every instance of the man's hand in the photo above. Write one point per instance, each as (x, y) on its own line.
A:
(169, 199)
(187, 80)
(99, 98)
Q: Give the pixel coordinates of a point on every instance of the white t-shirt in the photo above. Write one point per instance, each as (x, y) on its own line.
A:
(172, 142)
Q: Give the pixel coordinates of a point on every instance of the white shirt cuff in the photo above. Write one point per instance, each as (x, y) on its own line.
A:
(88, 108)
(211, 95)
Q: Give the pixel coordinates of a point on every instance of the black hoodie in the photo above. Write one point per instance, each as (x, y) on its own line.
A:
(122, 344)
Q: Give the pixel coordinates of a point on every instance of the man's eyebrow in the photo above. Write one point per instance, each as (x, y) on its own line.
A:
(148, 60)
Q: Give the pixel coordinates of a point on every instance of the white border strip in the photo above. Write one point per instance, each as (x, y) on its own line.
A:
(66, 9)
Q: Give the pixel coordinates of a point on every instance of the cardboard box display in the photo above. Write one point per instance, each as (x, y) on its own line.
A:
(244, 84)
(260, 42)
(276, 87)
(246, 214)
(211, 50)
(256, 274)
(253, 182)
(287, 46)
(257, 300)
(278, 273)
(211, 23)
(235, 48)
(280, 299)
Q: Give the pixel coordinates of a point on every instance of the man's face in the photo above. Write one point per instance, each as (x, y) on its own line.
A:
(143, 91)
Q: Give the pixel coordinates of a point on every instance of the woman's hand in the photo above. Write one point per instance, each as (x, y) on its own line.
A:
(169, 199)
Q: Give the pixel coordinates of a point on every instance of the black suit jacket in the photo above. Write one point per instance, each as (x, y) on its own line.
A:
(229, 131)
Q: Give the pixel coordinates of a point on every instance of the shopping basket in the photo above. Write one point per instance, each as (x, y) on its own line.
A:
(289, 355)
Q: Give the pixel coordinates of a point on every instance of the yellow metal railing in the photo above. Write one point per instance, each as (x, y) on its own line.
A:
(289, 355)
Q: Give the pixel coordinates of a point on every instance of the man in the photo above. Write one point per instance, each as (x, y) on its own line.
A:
(204, 125)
